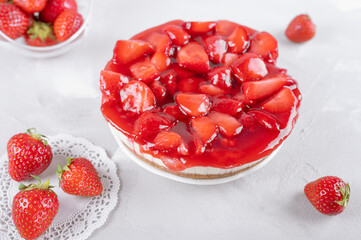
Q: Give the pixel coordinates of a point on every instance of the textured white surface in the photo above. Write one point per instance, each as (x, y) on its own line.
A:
(61, 95)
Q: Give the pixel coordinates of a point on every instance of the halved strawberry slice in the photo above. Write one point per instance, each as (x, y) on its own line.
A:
(176, 112)
(241, 97)
(189, 84)
(169, 80)
(248, 67)
(198, 28)
(160, 60)
(265, 87)
(282, 101)
(248, 121)
(216, 47)
(238, 41)
(137, 97)
(228, 125)
(160, 42)
(195, 105)
(227, 105)
(177, 34)
(229, 58)
(225, 28)
(194, 58)
(127, 51)
(167, 141)
(159, 91)
(148, 125)
(264, 45)
(144, 71)
(220, 77)
(206, 128)
(111, 83)
(265, 119)
(211, 90)
(181, 73)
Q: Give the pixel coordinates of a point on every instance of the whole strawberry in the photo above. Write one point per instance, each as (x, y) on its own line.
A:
(79, 177)
(301, 29)
(54, 7)
(66, 24)
(13, 21)
(29, 154)
(34, 208)
(329, 195)
(40, 34)
(30, 6)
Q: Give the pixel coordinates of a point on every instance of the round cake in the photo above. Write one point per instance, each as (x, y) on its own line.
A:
(199, 99)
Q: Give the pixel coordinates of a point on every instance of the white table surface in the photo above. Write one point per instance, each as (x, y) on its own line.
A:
(60, 95)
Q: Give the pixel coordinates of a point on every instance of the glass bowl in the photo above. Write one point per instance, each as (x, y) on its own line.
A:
(18, 45)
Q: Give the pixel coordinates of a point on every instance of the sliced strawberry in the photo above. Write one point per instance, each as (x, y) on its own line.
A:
(194, 105)
(216, 47)
(238, 41)
(127, 51)
(264, 45)
(198, 28)
(159, 91)
(282, 101)
(176, 112)
(273, 69)
(211, 90)
(248, 121)
(160, 60)
(228, 125)
(167, 141)
(227, 105)
(229, 58)
(181, 73)
(167, 116)
(137, 97)
(111, 83)
(225, 28)
(144, 71)
(194, 58)
(248, 67)
(189, 84)
(148, 125)
(265, 87)
(220, 77)
(177, 34)
(265, 119)
(206, 128)
(241, 97)
(160, 42)
(169, 80)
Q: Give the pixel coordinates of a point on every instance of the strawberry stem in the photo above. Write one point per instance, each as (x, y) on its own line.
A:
(39, 185)
(39, 137)
(60, 170)
(345, 192)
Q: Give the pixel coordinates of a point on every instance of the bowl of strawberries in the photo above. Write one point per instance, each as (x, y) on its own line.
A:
(43, 28)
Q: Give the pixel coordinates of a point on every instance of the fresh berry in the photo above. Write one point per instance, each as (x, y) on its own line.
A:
(29, 154)
(264, 45)
(197, 28)
(159, 91)
(30, 6)
(193, 57)
(227, 105)
(40, 35)
(137, 97)
(54, 7)
(211, 90)
(329, 195)
(194, 105)
(301, 29)
(248, 67)
(144, 71)
(178, 36)
(127, 51)
(265, 119)
(282, 101)
(220, 77)
(206, 128)
(13, 21)
(148, 126)
(66, 24)
(266, 87)
(111, 83)
(225, 28)
(167, 140)
(238, 41)
(228, 125)
(189, 84)
(160, 42)
(79, 177)
(216, 48)
(34, 209)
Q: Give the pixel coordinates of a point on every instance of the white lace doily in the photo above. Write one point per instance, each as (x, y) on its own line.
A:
(78, 216)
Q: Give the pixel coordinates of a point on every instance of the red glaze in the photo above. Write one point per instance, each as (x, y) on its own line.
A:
(232, 129)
